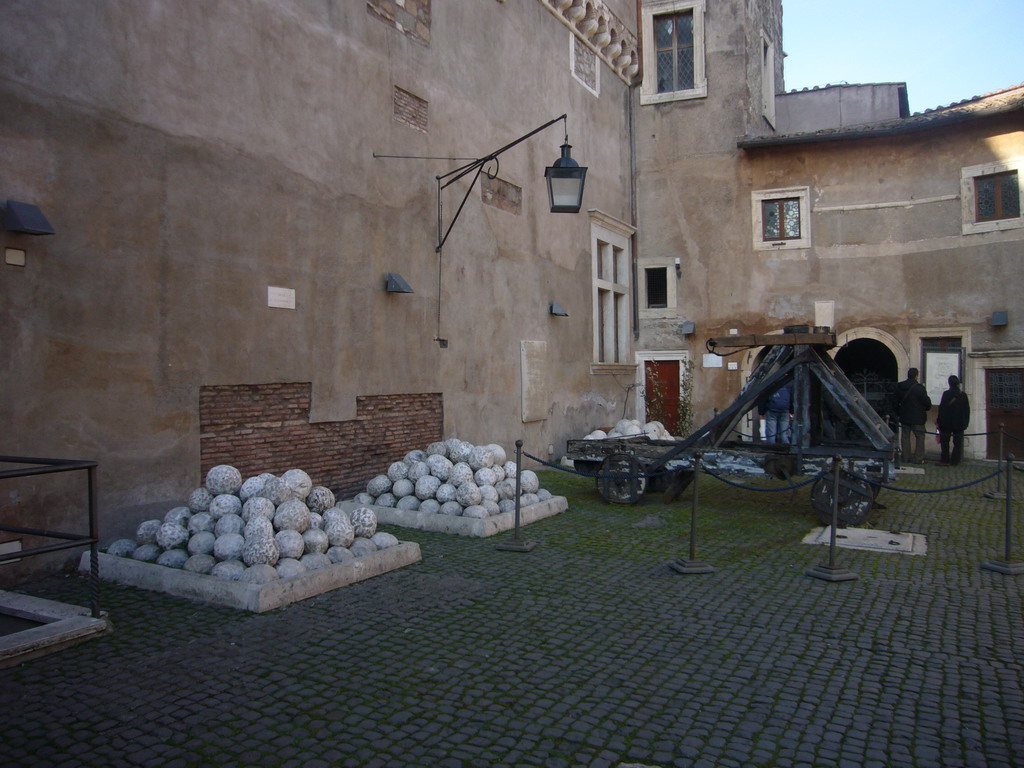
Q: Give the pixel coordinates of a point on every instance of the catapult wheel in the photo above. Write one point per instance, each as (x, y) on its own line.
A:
(856, 498)
(621, 482)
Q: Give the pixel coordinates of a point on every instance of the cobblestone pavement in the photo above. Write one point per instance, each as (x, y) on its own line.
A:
(587, 651)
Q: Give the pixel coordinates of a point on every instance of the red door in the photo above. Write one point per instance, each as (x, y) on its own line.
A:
(661, 393)
(1005, 400)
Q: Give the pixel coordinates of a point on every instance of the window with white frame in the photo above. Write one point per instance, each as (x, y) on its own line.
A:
(657, 288)
(673, 35)
(768, 79)
(781, 218)
(612, 268)
(990, 196)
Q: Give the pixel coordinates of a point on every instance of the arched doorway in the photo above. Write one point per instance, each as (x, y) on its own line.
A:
(872, 368)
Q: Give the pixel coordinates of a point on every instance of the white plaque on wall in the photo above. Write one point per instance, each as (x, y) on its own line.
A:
(282, 298)
(939, 366)
(711, 360)
(534, 372)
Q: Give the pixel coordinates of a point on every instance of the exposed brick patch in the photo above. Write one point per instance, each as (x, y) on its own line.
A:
(501, 194)
(265, 428)
(411, 17)
(410, 110)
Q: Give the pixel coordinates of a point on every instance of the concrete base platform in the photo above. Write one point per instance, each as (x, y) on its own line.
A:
(465, 526)
(252, 597)
(60, 625)
(871, 540)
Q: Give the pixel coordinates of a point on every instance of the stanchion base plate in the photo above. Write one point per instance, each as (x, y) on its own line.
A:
(516, 545)
(994, 495)
(830, 573)
(691, 566)
(1005, 567)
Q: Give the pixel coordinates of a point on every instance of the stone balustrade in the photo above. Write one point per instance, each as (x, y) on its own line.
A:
(601, 31)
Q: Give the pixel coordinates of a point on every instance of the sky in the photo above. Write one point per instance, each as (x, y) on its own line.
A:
(944, 50)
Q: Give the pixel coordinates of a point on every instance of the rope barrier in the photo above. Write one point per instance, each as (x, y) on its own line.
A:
(959, 487)
(611, 476)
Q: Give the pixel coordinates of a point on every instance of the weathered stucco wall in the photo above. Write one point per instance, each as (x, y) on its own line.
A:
(192, 156)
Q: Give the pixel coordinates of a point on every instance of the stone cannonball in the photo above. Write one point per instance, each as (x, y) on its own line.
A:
(314, 561)
(361, 547)
(475, 511)
(277, 490)
(506, 489)
(340, 532)
(414, 456)
(147, 553)
(409, 503)
(258, 506)
(290, 544)
(260, 573)
(315, 520)
(171, 535)
(543, 494)
(468, 495)
(223, 479)
(199, 564)
(499, 473)
(489, 493)
(439, 466)
(201, 521)
(333, 514)
(364, 521)
(461, 473)
(528, 500)
(485, 476)
(293, 514)
(426, 487)
(491, 507)
(437, 449)
(452, 446)
(384, 540)
(173, 558)
(229, 547)
(418, 469)
(399, 470)
(251, 487)
(178, 516)
(228, 569)
(300, 482)
(225, 504)
(403, 487)
(510, 469)
(386, 500)
(121, 548)
(364, 499)
(528, 481)
(380, 484)
(288, 567)
(316, 541)
(258, 527)
(430, 506)
(146, 532)
(320, 499)
(507, 506)
(202, 543)
(452, 508)
(445, 492)
(340, 555)
(199, 500)
(480, 457)
(497, 452)
(231, 523)
(261, 550)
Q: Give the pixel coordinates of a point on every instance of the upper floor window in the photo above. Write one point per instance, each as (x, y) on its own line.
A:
(768, 79)
(611, 277)
(673, 31)
(782, 218)
(990, 196)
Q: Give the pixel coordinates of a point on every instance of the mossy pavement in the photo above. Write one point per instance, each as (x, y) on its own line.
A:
(587, 651)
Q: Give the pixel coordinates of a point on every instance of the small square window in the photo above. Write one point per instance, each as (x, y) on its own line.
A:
(656, 280)
(996, 196)
(782, 218)
(990, 196)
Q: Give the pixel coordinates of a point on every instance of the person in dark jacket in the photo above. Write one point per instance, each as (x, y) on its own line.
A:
(954, 416)
(913, 406)
(777, 411)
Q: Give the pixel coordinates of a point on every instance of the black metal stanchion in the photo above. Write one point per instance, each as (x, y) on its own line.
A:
(998, 492)
(1007, 566)
(692, 565)
(831, 571)
(516, 544)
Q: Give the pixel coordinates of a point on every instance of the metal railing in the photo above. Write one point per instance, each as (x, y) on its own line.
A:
(69, 540)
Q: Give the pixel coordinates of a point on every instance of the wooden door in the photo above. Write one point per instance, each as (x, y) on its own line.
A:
(1005, 400)
(661, 393)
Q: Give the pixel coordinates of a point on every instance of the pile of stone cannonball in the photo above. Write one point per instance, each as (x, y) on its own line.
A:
(630, 428)
(454, 477)
(259, 530)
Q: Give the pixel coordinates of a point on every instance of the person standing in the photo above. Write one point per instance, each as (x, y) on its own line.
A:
(913, 406)
(777, 410)
(954, 416)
